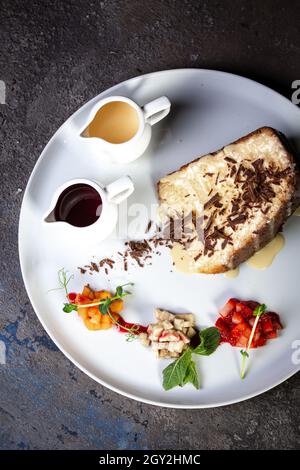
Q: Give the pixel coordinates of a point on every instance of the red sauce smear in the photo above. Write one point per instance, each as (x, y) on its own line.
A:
(138, 328)
(236, 320)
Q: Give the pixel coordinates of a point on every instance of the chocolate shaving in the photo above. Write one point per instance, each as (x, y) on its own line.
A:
(230, 160)
(149, 226)
(237, 174)
(240, 219)
(232, 171)
(106, 261)
(208, 224)
(266, 210)
(95, 267)
(258, 164)
(211, 201)
(125, 262)
(224, 243)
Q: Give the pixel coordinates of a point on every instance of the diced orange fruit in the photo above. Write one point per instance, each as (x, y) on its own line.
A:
(102, 294)
(116, 306)
(92, 326)
(91, 316)
(83, 312)
(93, 311)
(88, 292)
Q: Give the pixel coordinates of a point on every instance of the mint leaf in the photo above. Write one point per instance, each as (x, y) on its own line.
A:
(175, 373)
(209, 341)
(192, 376)
(69, 308)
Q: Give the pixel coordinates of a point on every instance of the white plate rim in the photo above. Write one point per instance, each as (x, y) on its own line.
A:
(27, 287)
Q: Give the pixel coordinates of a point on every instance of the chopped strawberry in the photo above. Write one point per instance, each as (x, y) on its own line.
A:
(275, 321)
(271, 335)
(256, 336)
(228, 307)
(224, 329)
(237, 317)
(237, 320)
(267, 324)
(72, 297)
(241, 328)
(277, 326)
(244, 310)
(81, 299)
(261, 342)
(242, 342)
(251, 304)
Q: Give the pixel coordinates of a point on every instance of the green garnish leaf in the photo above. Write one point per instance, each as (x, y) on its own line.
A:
(119, 291)
(104, 306)
(69, 308)
(260, 309)
(209, 341)
(192, 376)
(133, 333)
(244, 353)
(64, 279)
(175, 373)
(183, 370)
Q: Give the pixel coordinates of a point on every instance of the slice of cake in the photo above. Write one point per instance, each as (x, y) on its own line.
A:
(223, 207)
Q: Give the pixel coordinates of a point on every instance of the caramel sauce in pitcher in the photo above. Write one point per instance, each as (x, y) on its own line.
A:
(116, 122)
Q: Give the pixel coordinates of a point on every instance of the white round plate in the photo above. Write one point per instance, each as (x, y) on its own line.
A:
(209, 109)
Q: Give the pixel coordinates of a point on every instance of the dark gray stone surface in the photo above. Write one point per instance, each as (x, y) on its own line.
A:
(55, 56)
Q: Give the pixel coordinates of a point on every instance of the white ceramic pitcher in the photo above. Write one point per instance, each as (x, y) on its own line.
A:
(129, 150)
(110, 196)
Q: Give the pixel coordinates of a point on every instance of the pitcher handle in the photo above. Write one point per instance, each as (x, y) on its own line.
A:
(156, 110)
(119, 190)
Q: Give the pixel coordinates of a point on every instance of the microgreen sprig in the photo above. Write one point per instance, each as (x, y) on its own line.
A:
(133, 333)
(260, 309)
(63, 280)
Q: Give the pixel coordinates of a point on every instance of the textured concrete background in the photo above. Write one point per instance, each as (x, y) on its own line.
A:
(54, 56)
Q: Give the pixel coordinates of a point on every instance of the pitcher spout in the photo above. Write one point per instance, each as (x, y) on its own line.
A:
(50, 217)
(85, 133)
